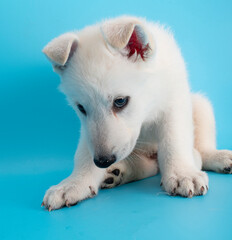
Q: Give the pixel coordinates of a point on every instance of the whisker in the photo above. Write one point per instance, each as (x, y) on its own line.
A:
(140, 149)
(136, 155)
(139, 141)
(131, 158)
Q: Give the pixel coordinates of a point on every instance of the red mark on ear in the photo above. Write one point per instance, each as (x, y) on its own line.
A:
(136, 46)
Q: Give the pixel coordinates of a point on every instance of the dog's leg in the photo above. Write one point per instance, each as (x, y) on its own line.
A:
(83, 183)
(135, 167)
(205, 137)
(176, 155)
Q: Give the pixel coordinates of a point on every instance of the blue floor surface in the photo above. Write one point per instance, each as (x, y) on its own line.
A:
(139, 210)
(39, 131)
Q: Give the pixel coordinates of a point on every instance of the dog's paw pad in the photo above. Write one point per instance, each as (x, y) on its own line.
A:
(114, 177)
(109, 180)
(227, 170)
(116, 172)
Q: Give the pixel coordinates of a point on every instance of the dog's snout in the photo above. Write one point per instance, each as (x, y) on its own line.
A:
(104, 161)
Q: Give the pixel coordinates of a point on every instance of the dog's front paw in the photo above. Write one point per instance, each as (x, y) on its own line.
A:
(186, 183)
(67, 193)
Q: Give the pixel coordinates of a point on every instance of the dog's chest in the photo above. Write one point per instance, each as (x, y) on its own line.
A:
(148, 138)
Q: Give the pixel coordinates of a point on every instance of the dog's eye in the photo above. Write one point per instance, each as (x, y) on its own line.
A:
(121, 102)
(81, 109)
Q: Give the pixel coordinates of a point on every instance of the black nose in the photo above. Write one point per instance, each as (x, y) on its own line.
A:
(104, 161)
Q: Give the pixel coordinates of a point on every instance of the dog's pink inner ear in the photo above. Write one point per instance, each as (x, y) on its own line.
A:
(137, 45)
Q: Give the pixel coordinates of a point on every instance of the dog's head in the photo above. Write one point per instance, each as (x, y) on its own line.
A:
(104, 71)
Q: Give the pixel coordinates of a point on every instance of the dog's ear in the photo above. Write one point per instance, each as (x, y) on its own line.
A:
(61, 49)
(129, 36)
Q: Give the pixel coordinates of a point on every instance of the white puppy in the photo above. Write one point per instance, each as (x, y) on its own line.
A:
(127, 82)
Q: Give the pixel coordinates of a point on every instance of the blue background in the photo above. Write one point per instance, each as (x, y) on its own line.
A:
(39, 131)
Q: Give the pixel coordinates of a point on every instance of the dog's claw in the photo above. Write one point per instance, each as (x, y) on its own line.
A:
(49, 208)
(67, 203)
(42, 204)
(161, 184)
(202, 189)
(173, 193)
(93, 193)
(190, 194)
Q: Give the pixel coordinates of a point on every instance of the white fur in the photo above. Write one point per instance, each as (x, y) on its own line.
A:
(161, 113)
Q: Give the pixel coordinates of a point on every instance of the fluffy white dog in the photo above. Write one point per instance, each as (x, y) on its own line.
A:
(127, 82)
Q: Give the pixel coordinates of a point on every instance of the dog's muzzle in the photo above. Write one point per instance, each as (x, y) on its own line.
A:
(104, 161)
